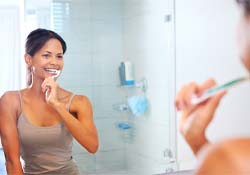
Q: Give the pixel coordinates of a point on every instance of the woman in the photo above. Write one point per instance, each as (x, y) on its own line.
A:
(39, 122)
(229, 157)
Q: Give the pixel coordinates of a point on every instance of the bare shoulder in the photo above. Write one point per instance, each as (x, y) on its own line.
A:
(231, 147)
(10, 97)
(66, 95)
(237, 148)
(10, 102)
(81, 100)
(80, 103)
(225, 157)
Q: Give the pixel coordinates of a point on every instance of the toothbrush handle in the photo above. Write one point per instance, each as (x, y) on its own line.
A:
(46, 94)
(47, 90)
(196, 100)
(211, 92)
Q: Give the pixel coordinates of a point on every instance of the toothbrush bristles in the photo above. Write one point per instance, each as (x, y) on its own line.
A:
(56, 74)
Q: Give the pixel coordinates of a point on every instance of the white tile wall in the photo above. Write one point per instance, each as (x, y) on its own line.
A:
(112, 160)
(93, 32)
(100, 34)
(104, 98)
(147, 45)
(151, 140)
(105, 69)
(80, 11)
(106, 10)
(107, 37)
(86, 162)
(109, 135)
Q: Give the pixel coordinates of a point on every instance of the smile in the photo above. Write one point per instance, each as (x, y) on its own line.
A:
(53, 72)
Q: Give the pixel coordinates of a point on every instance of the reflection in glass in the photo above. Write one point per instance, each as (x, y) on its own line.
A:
(100, 35)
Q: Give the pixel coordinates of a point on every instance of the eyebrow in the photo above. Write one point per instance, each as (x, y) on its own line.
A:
(51, 53)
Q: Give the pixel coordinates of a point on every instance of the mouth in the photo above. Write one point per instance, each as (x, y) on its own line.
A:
(53, 72)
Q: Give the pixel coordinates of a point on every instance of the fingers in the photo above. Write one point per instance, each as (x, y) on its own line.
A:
(184, 96)
(214, 101)
(206, 85)
(207, 110)
(48, 83)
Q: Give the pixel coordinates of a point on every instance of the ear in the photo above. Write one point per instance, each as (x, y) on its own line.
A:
(28, 59)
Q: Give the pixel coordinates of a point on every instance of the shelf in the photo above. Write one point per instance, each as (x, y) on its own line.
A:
(141, 84)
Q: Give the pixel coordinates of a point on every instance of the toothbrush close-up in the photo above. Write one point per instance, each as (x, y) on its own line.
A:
(212, 91)
(55, 75)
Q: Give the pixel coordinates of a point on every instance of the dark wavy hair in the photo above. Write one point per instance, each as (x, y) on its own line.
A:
(245, 4)
(36, 40)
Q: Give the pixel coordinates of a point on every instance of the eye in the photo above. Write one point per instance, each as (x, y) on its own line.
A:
(60, 57)
(46, 55)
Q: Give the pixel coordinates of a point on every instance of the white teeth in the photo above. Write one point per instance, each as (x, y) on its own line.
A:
(53, 71)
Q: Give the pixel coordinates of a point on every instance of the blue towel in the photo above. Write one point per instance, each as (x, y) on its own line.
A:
(138, 105)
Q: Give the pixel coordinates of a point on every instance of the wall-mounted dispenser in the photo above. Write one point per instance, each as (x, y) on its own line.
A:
(126, 73)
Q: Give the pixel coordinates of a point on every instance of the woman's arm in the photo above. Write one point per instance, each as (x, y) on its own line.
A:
(196, 118)
(82, 128)
(9, 105)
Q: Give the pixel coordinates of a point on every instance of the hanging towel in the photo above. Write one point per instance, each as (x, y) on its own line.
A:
(138, 105)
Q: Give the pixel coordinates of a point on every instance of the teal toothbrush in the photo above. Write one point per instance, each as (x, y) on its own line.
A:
(210, 92)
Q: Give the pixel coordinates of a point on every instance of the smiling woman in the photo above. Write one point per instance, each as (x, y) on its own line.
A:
(43, 119)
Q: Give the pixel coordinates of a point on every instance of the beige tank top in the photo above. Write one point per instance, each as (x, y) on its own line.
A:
(46, 150)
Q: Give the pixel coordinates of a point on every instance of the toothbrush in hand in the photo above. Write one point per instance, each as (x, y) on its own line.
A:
(212, 91)
(56, 74)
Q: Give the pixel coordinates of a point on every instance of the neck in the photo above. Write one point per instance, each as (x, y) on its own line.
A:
(36, 89)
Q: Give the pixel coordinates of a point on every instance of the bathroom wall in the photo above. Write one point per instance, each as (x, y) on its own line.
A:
(107, 33)
(10, 54)
(9, 72)
(4, 4)
(206, 47)
(149, 43)
(93, 32)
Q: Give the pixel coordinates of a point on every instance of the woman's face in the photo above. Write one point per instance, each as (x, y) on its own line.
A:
(244, 41)
(48, 60)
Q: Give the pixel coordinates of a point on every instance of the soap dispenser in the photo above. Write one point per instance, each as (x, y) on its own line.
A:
(126, 73)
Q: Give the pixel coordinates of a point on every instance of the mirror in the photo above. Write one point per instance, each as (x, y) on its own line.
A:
(100, 35)
(165, 43)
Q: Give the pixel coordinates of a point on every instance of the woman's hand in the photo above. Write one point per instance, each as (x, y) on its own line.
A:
(50, 88)
(196, 118)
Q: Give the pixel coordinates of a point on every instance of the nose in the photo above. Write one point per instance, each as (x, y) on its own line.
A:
(53, 60)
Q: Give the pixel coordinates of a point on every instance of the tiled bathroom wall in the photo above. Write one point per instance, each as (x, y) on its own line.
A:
(93, 32)
(101, 34)
(149, 44)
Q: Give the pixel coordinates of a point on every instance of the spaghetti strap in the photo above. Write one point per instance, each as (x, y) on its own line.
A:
(20, 100)
(70, 101)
